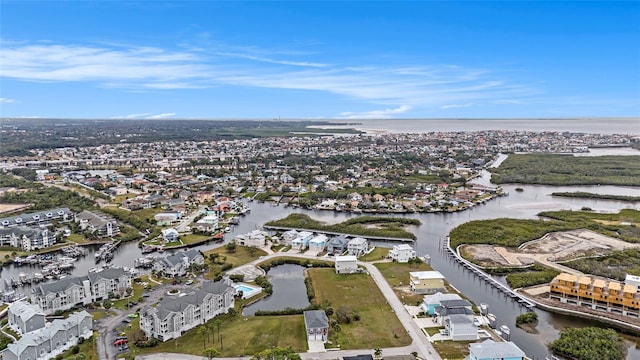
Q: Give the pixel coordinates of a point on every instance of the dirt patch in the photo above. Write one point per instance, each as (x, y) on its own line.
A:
(484, 255)
(8, 208)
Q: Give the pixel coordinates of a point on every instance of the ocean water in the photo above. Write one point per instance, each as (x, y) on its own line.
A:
(586, 125)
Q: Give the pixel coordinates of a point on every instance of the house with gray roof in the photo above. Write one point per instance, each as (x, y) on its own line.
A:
(27, 237)
(491, 350)
(98, 223)
(316, 324)
(358, 246)
(80, 290)
(175, 315)
(37, 218)
(25, 317)
(177, 264)
(50, 341)
(337, 245)
(460, 327)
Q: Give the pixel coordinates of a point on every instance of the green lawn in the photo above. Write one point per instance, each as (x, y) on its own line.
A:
(378, 325)
(241, 256)
(377, 254)
(138, 289)
(452, 350)
(87, 348)
(192, 238)
(77, 238)
(397, 274)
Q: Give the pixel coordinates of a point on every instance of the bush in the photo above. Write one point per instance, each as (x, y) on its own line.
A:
(149, 343)
(527, 318)
(589, 343)
(75, 349)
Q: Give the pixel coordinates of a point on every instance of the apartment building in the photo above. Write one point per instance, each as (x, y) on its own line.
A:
(98, 223)
(27, 237)
(37, 218)
(596, 293)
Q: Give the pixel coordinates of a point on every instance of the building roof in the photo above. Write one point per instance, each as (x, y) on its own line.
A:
(402, 247)
(358, 241)
(426, 275)
(359, 357)
(108, 274)
(24, 310)
(496, 350)
(584, 280)
(35, 216)
(314, 319)
(456, 303)
(459, 319)
(59, 286)
(567, 277)
(630, 277)
(438, 297)
(630, 289)
(599, 283)
(614, 285)
(346, 258)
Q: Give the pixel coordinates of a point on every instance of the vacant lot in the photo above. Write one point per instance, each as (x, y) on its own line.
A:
(397, 275)
(358, 294)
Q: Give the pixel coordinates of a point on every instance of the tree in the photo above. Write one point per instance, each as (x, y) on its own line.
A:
(231, 247)
(200, 331)
(377, 353)
(277, 353)
(210, 353)
(217, 323)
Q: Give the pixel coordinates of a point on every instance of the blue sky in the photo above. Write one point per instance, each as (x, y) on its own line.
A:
(206, 59)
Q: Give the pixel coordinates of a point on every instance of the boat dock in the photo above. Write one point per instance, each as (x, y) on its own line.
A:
(368, 237)
(486, 277)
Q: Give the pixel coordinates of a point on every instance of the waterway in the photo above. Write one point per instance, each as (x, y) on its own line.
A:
(289, 290)
(433, 231)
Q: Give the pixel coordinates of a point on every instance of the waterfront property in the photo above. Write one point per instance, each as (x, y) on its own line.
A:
(347, 264)
(402, 253)
(632, 280)
(25, 317)
(318, 243)
(491, 350)
(316, 324)
(247, 290)
(98, 223)
(337, 245)
(37, 218)
(426, 282)
(460, 328)
(27, 237)
(175, 315)
(209, 222)
(431, 302)
(358, 246)
(80, 290)
(257, 238)
(302, 240)
(597, 294)
(170, 235)
(167, 218)
(50, 341)
(178, 264)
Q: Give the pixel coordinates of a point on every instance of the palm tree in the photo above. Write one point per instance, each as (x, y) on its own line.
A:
(377, 352)
(211, 328)
(200, 331)
(210, 353)
(217, 323)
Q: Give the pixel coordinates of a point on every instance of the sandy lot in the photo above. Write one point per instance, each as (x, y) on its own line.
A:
(558, 246)
(7, 208)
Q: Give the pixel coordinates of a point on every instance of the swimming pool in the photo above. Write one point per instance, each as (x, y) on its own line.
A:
(247, 290)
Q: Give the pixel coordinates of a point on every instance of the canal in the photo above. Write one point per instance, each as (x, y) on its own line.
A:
(433, 231)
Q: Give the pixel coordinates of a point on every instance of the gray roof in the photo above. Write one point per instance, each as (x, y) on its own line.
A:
(60, 285)
(109, 274)
(314, 319)
(35, 216)
(460, 319)
(174, 304)
(95, 218)
(29, 231)
(451, 311)
(496, 350)
(455, 303)
(339, 241)
(24, 310)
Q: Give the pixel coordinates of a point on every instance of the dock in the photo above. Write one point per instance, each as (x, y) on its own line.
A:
(486, 277)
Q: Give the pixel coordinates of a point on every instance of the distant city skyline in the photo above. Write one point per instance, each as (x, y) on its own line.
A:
(319, 60)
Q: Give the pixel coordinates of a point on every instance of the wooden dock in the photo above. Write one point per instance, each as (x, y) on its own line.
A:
(368, 237)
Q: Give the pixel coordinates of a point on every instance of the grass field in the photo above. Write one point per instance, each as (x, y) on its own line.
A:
(377, 254)
(452, 350)
(378, 325)
(241, 256)
(87, 348)
(397, 275)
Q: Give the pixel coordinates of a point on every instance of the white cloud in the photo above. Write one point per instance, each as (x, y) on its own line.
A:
(161, 116)
(454, 106)
(7, 101)
(375, 114)
(132, 116)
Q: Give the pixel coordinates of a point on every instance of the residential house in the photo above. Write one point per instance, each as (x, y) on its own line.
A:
(50, 341)
(358, 246)
(178, 264)
(402, 253)
(337, 245)
(347, 264)
(175, 315)
(170, 235)
(491, 350)
(460, 327)
(167, 218)
(209, 222)
(431, 302)
(316, 324)
(27, 237)
(98, 223)
(302, 241)
(426, 282)
(118, 190)
(72, 291)
(362, 357)
(25, 317)
(289, 236)
(37, 218)
(255, 238)
(318, 243)
(456, 306)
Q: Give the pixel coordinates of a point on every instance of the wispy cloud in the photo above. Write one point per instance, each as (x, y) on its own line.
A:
(161, 116)
(6, 100)
(375, 114)
(146, 116)
(397, 88)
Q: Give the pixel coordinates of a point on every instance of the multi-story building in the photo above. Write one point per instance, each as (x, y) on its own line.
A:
(402, 253)
(37, 218)
(597, 294)
(98, 223)
(27, 237)
(178, 263)
(25, 317)
(175, 315)
(53, 339)
(358, 246)
(80, 290)
(426, 282)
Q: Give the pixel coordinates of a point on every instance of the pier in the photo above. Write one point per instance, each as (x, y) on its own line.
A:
(368, 237)
(486, 277)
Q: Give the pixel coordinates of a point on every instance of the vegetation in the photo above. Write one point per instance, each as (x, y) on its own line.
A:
(452, 349)
(397, 275)
(527, 318)
(589, 343)
(378, 253)
(44, 198)
(4, 341)
(614, 265)
(588, 195)
(555, 169)
(7, 180)
(359, 295)
(531, 278)
(219, 261)
(385, 226)
(297, 261)
(85, 350)
(277, 353)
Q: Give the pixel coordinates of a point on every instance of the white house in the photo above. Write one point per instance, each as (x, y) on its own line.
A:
(208, 223)
(170, 235)
(402, 253)
(358, 246)
(302, 241)
(346, 264)
(27, 237)
(460, 327)
(318, 243)
(491, 350)
(255, 238)
(167, 218)
(289, 236)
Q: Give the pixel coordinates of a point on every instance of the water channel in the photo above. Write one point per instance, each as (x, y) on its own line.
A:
(289, 290)
(431, 233)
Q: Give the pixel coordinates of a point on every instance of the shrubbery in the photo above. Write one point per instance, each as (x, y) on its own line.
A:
(589, 343)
